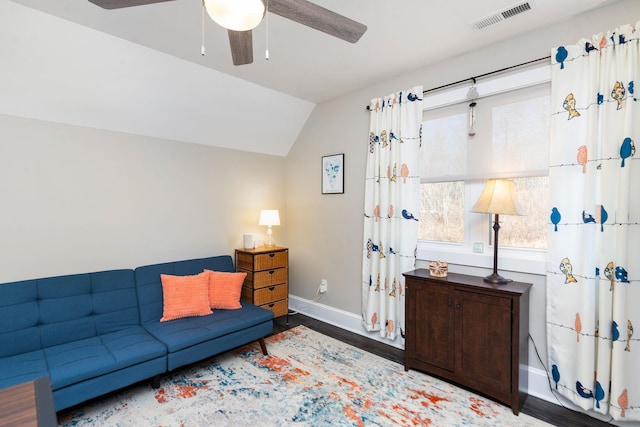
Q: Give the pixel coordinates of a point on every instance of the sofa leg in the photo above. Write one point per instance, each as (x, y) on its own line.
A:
(155, 382)
(263, 346)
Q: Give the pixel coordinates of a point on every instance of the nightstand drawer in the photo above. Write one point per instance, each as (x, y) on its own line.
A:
(260, 279)
(265, 295)
(279, 308)
(258, 262)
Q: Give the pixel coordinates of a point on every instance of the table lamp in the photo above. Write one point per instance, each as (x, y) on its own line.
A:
(269, 217)
(498, 198)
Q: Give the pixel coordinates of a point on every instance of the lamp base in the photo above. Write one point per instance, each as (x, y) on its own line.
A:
(268, 242)
(496, 279)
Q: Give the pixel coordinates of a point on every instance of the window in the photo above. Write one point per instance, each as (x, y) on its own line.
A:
(528, 231)
(442, 212)
(510, 141)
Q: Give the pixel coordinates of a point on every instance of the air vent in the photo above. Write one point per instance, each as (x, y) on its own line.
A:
(516, 10)
(494, 18)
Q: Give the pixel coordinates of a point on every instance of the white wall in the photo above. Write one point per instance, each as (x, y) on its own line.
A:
(324, 232)
(77, 199)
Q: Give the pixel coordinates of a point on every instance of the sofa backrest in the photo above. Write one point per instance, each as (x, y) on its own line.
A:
(150, 286)
(41, 313)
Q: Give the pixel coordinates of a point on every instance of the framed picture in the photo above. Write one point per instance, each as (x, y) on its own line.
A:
(333, 174)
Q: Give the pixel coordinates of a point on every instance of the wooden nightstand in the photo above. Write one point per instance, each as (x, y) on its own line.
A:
(267, 281)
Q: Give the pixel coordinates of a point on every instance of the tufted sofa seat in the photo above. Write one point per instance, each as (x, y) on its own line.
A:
(94, 333)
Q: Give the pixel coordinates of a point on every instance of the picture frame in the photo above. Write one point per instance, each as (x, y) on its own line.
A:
(332, 173)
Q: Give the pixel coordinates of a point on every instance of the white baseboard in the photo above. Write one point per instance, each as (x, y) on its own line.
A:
(539, 385)
(336, 317)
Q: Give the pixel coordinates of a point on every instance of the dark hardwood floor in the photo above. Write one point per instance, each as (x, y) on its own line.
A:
(538, 408)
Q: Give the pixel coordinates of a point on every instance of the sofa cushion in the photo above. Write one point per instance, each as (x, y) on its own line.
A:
(22, 368)
(80, 360)
(185, 296)
(80, 306)
(36, 314)
(19, 318)
(225, 289)
(149, 286)
(189, 331)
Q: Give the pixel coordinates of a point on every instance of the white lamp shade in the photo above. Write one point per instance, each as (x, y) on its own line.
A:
(269, 217)
(236, 15)
(498, 197)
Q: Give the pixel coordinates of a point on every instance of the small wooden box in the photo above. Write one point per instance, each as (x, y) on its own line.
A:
(438, 269)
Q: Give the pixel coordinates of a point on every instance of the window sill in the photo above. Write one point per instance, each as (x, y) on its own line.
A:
(530, 261)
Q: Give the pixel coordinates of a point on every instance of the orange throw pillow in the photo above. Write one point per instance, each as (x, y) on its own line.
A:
(225, 289)
(185, 296)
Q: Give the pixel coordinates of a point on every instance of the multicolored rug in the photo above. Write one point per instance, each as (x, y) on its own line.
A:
(308, 379)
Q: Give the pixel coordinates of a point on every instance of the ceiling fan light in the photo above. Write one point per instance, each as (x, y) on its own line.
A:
(236, 15)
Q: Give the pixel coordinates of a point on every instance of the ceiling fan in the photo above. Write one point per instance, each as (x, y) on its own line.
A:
(240, 37)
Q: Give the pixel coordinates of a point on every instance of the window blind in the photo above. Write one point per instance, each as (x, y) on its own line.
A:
(511, 137)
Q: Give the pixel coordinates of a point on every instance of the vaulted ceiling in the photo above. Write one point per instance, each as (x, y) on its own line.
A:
(157, 49)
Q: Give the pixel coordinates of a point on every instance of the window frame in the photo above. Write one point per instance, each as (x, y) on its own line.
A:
(479, 231)
(510, 259)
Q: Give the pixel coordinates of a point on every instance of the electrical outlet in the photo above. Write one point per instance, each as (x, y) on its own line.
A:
(478, 247)
(323, 286)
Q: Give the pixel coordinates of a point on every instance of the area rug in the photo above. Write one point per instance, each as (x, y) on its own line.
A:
(308, 379)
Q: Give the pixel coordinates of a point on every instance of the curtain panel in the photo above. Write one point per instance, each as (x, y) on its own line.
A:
(390, 211)
(593, 272)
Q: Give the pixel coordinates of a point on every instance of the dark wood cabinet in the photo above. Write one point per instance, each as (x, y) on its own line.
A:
(469, 332)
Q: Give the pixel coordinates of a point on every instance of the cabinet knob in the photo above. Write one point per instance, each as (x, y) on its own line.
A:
(458, 306)
(449, 303)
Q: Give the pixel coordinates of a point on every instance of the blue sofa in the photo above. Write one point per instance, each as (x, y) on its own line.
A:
(94, 333)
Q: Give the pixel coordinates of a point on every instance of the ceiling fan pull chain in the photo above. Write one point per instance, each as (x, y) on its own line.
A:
(266, 22)
(202, 49)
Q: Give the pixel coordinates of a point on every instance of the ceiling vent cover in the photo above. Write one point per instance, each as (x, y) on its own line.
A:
(494, 18)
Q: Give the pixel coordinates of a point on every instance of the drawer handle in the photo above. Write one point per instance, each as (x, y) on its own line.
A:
(271, 305)
(271, 288)
(449, 303)
(458, 306)
(272, 255)
(271, 271)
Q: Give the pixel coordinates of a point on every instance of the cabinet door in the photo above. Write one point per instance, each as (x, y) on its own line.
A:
(484, 341)
(434, 313)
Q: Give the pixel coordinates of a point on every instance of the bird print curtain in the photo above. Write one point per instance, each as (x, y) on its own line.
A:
(390, 209)
(593, 270)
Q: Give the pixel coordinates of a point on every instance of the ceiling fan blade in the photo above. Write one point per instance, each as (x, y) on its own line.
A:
(314, 16)
(118, 4)
(241, 47)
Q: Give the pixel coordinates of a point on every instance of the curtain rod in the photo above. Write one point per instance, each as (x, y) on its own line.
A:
(473, 79)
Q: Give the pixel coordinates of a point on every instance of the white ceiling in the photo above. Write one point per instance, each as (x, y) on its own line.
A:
(306, 67)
